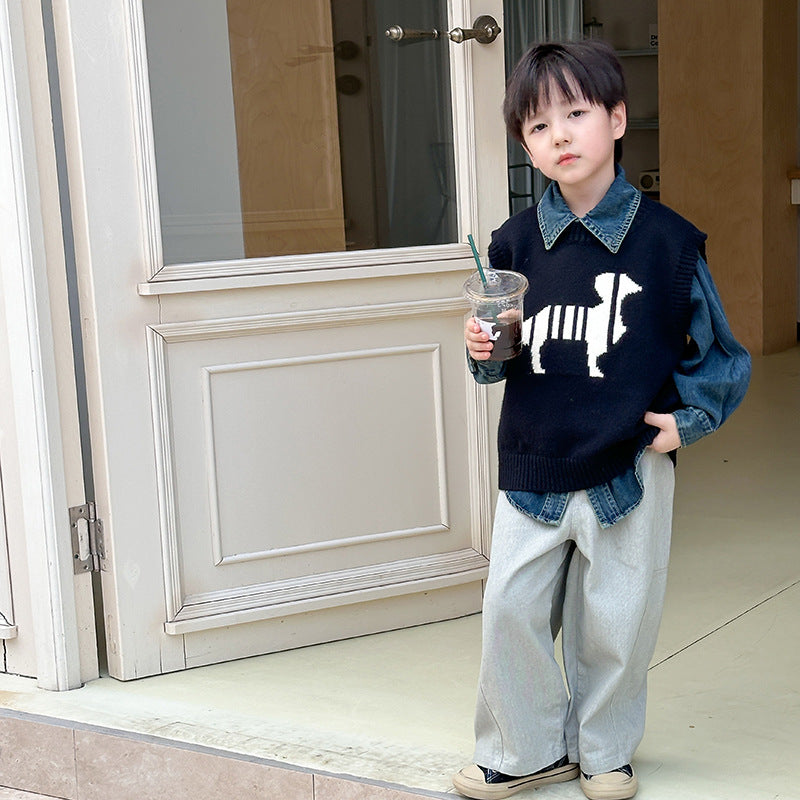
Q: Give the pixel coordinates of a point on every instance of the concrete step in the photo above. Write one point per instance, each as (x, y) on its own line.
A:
(50, 758)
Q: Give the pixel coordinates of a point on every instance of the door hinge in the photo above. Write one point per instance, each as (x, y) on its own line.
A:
(88, 547)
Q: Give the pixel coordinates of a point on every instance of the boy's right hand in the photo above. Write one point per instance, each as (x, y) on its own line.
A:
(478, 344)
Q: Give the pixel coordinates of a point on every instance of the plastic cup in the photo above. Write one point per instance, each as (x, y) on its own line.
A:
(497, 306)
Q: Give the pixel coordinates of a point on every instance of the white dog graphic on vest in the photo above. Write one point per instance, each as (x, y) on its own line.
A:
(599, 326)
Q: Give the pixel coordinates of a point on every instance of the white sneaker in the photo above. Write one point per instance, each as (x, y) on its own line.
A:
(620, 784)
(480, 783)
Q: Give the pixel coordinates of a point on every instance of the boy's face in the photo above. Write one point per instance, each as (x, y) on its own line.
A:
(572, 142)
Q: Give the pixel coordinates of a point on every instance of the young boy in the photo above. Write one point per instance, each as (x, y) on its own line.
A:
(627, 356)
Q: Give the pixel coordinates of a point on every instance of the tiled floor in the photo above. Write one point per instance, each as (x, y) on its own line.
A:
(724, 712)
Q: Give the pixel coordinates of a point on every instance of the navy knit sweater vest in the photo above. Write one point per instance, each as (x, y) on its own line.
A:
(603, 334)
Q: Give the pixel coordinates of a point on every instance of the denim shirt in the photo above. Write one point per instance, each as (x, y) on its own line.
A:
(711, 378)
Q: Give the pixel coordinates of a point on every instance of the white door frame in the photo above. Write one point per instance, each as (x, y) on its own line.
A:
(35, 309)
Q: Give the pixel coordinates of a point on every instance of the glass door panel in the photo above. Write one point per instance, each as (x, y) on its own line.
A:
(293, 128)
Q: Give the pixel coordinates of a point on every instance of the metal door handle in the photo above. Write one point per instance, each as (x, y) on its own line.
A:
(397, 33)
(484, 30)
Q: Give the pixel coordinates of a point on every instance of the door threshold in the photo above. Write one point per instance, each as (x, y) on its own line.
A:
(391, 711)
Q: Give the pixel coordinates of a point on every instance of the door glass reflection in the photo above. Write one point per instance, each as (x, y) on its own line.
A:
(292, 128)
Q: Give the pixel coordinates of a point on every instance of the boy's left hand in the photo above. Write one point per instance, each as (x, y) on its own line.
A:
(668, 438)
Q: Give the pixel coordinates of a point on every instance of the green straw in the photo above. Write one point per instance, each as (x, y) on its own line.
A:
(477, 258)
(480, 270)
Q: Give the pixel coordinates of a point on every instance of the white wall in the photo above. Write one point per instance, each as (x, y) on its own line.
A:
(195, 133)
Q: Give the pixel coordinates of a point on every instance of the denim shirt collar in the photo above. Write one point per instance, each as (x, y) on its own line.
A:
(609, 220)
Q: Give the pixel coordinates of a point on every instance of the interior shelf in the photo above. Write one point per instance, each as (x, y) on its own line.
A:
(648, 51)
(643, 124)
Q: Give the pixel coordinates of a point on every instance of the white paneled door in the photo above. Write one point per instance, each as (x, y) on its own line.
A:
(271, 204)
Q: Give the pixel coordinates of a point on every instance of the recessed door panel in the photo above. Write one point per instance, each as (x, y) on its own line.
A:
(312, 447)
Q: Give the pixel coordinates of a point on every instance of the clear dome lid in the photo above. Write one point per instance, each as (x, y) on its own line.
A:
(499, 283)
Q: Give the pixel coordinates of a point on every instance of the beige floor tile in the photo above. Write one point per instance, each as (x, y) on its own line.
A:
(16, 794)
(117, 768)
(37, 757)
(327, 788)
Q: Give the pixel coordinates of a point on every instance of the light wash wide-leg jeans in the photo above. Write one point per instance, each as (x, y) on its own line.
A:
(605, 589)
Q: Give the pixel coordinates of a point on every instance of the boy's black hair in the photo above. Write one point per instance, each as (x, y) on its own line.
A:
(591, 67)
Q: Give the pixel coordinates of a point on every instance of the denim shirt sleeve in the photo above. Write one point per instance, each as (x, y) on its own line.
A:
(714, 373)
(486, 371)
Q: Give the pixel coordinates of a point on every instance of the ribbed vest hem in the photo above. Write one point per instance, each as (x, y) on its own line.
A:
(527, 472)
